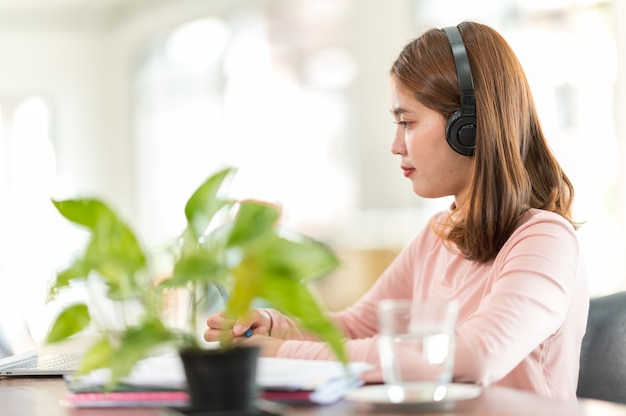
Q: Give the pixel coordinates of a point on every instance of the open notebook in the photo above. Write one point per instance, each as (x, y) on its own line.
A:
(19, 355)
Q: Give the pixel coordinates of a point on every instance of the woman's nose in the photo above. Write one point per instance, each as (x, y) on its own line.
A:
(397, 146)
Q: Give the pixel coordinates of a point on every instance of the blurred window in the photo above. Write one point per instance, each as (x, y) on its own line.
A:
(253, 90)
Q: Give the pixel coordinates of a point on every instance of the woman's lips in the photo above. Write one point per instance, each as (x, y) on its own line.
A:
(407, 171)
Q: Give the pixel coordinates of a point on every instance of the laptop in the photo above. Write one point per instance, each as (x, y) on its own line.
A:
(19, 355)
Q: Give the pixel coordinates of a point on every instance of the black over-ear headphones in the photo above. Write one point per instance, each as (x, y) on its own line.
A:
(461, 126)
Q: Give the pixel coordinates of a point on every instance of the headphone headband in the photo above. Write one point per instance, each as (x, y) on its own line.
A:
(461, 62)
(461, 128)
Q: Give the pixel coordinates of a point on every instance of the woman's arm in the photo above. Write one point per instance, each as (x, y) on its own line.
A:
(537, 283)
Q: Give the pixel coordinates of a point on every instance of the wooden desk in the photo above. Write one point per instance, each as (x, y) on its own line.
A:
(41, 397)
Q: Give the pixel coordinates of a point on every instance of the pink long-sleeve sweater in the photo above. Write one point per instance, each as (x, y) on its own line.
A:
(522, 316)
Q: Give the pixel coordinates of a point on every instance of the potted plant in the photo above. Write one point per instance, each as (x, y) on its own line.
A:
(235, 245)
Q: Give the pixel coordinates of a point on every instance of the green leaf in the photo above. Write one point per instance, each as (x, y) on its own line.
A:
(254, 223)
(197, 266)
(300, 257)
(77, 270)
(70, 321)
(115, 254)
(275, 266)
(248, 277)
(99, 355)
(85, 212)
(204, 203)
(136, 344)
(113, 250)
(294, 298)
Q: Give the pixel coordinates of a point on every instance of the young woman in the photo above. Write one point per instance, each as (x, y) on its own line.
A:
(505, 250)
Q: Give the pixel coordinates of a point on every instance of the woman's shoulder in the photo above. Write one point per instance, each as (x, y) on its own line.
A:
(535, 216)
(541, 224)
(541, 234)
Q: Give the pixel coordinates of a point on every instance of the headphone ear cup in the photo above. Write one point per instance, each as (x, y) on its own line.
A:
(461, 133)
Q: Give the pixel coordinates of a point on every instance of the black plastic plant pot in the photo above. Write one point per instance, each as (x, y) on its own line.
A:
(222, 381)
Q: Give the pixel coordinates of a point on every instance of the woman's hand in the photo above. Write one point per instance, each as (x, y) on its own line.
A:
(220, 328)
(269, 345)
(255, 329)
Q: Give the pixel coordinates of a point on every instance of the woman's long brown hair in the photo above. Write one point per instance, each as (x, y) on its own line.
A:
(514, 168)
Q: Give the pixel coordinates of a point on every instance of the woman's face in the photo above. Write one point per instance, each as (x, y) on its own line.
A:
(434, 169)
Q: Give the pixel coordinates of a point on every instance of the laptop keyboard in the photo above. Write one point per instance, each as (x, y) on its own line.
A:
(47, 362)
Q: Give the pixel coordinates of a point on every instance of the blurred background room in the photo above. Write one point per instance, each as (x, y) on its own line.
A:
(138, 101)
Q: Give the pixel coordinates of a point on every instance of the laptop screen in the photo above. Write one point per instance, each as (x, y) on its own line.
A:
(15, 337)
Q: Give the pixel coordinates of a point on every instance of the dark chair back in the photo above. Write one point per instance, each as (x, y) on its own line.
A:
(603, 355)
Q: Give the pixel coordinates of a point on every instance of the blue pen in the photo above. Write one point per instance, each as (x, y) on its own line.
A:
(248, 333)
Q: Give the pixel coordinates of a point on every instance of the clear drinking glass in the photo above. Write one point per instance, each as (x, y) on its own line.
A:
(416, 345)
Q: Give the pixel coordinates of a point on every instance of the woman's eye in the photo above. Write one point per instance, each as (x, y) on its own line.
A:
(404, 124)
